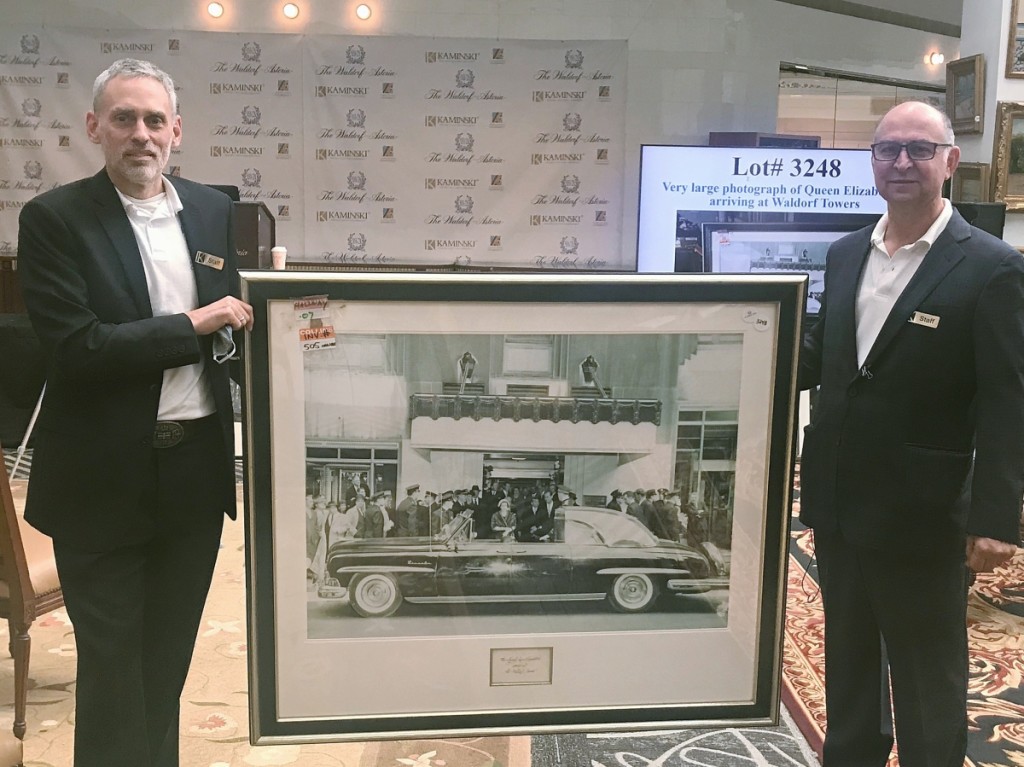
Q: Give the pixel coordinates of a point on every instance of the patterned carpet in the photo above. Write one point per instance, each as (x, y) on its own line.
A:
(995, 633)
(214, 714)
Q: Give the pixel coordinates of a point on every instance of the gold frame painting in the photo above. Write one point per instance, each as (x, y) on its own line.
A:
(970, 183)
(1015, 44)
(965, 94)
(1008, 155)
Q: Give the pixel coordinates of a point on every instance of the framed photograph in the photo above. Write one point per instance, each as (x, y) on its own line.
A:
(965, 94)
(1015, 48)
(970, 183)
(482, 504)
(1008, 155)
(747, 247)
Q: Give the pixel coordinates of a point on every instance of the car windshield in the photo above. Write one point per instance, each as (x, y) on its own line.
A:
(611, 527)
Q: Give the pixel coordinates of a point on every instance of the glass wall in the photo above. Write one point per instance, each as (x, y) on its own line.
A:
(841, 108)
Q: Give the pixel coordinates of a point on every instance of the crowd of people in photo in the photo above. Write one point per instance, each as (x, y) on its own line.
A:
(499, 511)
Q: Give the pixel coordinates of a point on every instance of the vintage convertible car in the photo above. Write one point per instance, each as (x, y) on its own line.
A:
(596, 554)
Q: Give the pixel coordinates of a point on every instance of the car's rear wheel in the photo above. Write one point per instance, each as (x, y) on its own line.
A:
(374, 595)
(633, 593)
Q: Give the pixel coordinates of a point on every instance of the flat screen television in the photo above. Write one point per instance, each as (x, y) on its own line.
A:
(791, 200)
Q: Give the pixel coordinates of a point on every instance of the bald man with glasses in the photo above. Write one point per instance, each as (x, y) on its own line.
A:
(912, 473)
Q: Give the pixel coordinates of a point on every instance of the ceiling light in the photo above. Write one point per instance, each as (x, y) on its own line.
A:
(363, 11)
(216, 10)
(290, 10)
(935, 58)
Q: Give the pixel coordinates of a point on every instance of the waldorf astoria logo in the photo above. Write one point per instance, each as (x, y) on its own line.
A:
(536, 220)
(30, 45)
(541, 158)
(223, 88)
(108, 47)
(450, 183)
(342, 154)
(355, 54)
(324, 91)
(236, 151)
(325, 216)
(251, 51)
(569, 246)
(439, 57)
(574, 58)
(572, 121)
(251, 177)
(434, 121)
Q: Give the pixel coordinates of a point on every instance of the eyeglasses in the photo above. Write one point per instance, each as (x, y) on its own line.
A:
(888, 151)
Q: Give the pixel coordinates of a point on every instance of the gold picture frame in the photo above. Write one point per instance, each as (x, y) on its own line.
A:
(971, 183)
(965, 94)
(1015, 44)
(1008, 155)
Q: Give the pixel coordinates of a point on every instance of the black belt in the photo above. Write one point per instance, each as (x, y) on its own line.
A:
(174, 433)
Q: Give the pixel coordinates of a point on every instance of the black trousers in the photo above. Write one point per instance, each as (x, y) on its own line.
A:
(136, 610)
(918, 607)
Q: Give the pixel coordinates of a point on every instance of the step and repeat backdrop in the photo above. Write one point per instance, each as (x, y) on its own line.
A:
(375, 150)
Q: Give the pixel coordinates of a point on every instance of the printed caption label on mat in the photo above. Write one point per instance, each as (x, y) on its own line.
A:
(313, 339)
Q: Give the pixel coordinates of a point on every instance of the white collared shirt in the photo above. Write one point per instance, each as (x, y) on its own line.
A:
(885, 277)
(185, 393)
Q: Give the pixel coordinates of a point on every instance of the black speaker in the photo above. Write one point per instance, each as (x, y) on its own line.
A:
(987, 216)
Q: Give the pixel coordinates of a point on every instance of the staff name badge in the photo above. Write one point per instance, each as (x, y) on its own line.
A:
(210, 260)
(928, 320)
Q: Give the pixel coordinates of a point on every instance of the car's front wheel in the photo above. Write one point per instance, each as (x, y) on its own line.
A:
(374, 595)
(633, 593)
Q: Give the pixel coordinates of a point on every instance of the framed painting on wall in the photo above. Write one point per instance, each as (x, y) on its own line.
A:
(970, 183)
(1008, 155)
(965, 94)
(493, 504)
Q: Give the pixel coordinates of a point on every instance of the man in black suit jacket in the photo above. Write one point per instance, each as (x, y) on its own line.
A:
(912, 470)
(128, 278)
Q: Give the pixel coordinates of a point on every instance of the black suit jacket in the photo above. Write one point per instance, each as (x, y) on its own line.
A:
(85, 288)
(889, 457)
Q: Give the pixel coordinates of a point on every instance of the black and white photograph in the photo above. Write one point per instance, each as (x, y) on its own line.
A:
(497, 484)
(758, 248)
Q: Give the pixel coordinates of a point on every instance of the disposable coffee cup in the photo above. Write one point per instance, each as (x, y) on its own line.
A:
(279, 256)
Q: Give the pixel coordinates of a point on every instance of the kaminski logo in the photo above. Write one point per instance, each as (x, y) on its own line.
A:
(355, 54)
(251, 177)
(572, 121)
(31, 107)
(463, 204)
(357, 241)
(569, 246)
(570, 184)
(357, 180)
(251, 115)
(30, 44)
(574, 58)
(355, 118)
(33, 170)
(464, 142)
(251, 51)
(464, 78)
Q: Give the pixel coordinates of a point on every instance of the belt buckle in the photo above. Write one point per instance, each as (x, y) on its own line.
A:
(167, 433)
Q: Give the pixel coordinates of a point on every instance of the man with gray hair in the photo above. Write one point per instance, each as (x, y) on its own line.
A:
(912, 471)
(130, 283)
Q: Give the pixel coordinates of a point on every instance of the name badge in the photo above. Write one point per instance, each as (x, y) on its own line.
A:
(928, 320)
(210, 260)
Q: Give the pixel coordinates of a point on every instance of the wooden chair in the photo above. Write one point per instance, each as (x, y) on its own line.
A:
(28, 588)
